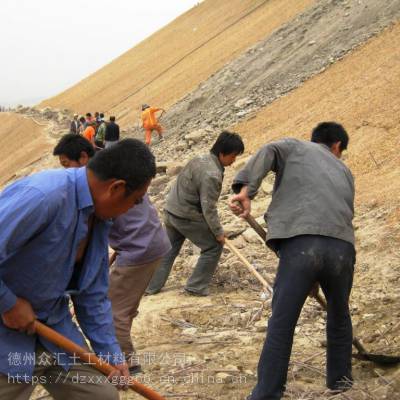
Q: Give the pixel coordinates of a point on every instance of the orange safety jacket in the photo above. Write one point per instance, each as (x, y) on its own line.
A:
(149, 119)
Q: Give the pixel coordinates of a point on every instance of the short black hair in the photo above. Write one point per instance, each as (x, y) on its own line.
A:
(112, 118)
(101, 115)
(129, 159)
(71, 145)
(329, 133)
(228, 143)
(88, 114)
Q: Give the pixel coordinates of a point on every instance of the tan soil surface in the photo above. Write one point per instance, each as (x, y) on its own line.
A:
(23, 142)
(134, 69)
(208, 348)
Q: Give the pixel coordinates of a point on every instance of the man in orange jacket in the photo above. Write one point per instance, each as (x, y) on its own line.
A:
(90, 132)
(150, 122)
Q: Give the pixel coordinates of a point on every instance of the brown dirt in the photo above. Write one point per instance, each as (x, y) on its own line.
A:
(23, 142)
(128, 73)
(208, 348)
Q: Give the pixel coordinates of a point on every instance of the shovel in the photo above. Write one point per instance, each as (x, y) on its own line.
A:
(362, 352)
(72, 348)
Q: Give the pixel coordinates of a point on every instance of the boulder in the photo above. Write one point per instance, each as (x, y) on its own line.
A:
(250, 236)
(174, 168)
(196, 136)
(246, 101)
(267, 187)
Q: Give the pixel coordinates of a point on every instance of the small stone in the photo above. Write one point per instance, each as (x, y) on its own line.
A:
(189, 331)
(260, 326)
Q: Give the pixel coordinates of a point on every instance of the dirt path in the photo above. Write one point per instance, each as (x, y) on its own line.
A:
(24, 143)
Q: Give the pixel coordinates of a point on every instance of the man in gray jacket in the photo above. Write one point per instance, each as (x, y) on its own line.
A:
(191, 213)
(310, 228)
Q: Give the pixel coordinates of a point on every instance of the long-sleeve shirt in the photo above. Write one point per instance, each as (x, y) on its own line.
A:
(149, 118)
(313, 192)
(195, 193)
(43, 220)
(112, 132)
(138, 236)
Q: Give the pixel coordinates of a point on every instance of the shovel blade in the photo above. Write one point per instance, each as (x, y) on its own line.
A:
(378, 358)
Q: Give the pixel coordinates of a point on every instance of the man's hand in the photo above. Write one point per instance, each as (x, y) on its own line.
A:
(20, 317)
(120, 376)
(221, 239)
(244, 207)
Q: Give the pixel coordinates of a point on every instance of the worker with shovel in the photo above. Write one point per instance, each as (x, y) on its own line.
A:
(150, 122)
(53, 243)
(310, 228)
(191, 213)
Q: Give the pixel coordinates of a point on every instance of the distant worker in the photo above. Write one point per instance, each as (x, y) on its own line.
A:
(111, 136)
(74, 127)
(89, 118)
(100, 132)
(97, 117)
(82, 125)
(150, 122)
(191, 213)
(90, 132)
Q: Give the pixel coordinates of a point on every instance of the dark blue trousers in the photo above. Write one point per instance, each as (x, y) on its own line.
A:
(304, 261)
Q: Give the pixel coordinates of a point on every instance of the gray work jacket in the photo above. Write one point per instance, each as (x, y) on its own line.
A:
(313, 192)
(194, 194)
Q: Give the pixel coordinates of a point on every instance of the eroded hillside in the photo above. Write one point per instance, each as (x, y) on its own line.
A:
(326, 60)
(173, 61)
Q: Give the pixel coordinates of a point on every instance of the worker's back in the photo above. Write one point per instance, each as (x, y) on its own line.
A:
(149, 118)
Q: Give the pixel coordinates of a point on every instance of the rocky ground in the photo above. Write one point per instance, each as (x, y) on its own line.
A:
(301, 48)
(208, 348)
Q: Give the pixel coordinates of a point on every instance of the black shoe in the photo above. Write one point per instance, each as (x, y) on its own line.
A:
(192, 293)
(151, 292)
(135, 369)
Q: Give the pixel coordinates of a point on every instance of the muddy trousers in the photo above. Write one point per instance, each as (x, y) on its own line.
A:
(198, 232)
(127, 286)
(305, 260)
(81, 382)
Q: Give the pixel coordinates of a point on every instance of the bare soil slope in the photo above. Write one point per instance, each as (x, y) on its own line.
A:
(196, 44)
(209, 347)
(23, 142)
(304, 46)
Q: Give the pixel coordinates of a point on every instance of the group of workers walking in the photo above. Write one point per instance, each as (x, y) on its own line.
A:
(57, 229)
(96, 130)
(103, 134)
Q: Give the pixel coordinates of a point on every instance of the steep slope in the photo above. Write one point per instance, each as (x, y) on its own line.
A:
(307, 45)
(196, 44)
(23, 142)
(217, 339)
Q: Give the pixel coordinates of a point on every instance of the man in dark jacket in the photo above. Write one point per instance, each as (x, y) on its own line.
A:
(74, 128)
(310, 228)
(191, 213)
(112, 133)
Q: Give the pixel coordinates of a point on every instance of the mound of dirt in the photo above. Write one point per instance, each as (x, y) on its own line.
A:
(24, 143)
(280, 63)
(172, 62)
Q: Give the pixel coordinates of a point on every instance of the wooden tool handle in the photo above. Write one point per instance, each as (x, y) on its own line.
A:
(321, 301)
(248, 265)
(102, 366)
